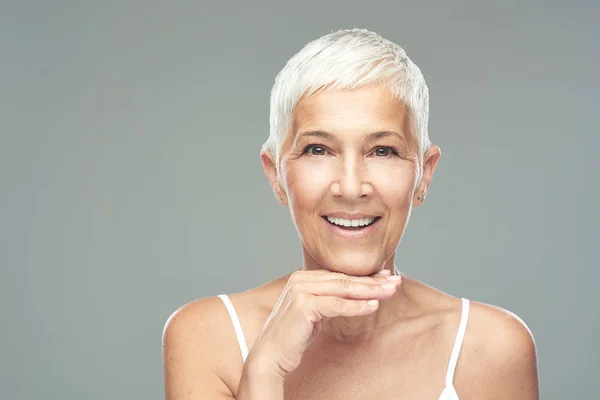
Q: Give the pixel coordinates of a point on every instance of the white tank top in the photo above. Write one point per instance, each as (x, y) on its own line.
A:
(449, 393)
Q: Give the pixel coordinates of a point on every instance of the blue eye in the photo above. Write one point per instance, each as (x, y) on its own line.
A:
(315, 150)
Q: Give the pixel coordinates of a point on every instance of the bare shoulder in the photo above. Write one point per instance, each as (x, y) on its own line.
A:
(500, 336)
(201, 354)
(499, 358)
(193, 347)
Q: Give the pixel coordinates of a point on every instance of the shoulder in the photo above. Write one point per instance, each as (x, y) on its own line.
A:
(194, 316)
(194, 319)
(193, 346)
(499, 334)
(499, 353)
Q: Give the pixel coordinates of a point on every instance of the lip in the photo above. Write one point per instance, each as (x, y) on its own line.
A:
(345, 215)
(352, 234)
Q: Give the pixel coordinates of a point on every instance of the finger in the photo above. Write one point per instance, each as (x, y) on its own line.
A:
(379, 277)
(345, 288)
(317, 275)
(330, 306)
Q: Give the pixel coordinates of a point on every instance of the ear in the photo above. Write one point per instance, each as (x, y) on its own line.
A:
(430, 161)
(268, 163)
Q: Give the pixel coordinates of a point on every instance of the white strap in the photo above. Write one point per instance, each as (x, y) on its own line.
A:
(458, 343)
(236, 325)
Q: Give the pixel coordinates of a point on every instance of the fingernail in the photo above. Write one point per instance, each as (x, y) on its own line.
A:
(383, 272)
(394, 278)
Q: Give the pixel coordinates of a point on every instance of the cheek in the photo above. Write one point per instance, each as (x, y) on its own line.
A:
(394, 186)
(307, 184)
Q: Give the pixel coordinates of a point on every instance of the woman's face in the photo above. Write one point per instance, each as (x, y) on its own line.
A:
(349, 174)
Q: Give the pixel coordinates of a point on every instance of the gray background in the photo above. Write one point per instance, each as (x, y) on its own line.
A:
(131, 181)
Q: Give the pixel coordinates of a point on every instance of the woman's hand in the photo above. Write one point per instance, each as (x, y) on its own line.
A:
(308, 299)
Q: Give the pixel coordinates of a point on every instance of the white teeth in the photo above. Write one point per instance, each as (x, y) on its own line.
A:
(351, 222)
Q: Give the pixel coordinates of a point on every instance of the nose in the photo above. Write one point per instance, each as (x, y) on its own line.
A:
(351, 180)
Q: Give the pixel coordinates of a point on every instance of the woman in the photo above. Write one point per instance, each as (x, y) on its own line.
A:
(349, 154)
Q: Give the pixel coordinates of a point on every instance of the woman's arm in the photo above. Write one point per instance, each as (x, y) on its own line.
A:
(500, 361)
(258, 382)
(515, 359)
(190, 352)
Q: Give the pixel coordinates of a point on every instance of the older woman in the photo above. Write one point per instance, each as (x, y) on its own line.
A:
(349, 154)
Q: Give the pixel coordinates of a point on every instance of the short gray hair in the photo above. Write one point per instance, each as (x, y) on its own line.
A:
(345, 60)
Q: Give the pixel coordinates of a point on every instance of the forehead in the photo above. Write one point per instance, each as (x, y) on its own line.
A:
(361, 111)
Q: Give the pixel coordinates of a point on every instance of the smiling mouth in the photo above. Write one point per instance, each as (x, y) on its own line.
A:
(351, 224)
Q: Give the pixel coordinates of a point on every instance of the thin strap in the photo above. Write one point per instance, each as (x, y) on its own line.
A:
(458, 343)
(236, 325)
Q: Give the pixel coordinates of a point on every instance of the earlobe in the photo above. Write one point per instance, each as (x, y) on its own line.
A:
(420, 196)
(430, 161)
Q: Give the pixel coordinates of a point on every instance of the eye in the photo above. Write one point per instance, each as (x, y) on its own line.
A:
(315, 150)
(385, 152)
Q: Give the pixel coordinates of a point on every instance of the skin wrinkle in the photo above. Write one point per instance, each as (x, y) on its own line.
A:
(292, 135)
(403, 348)
(347, 176)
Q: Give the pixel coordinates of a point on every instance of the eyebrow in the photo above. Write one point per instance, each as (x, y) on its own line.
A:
(371, 136)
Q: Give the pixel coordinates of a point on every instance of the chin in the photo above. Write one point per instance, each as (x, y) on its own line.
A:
(358, 263)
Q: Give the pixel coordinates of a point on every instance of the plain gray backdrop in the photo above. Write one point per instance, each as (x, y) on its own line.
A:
(131, 182)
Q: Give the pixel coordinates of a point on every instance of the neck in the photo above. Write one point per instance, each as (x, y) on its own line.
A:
(363, 328)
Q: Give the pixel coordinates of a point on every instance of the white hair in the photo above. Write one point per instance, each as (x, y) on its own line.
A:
(345, 60)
